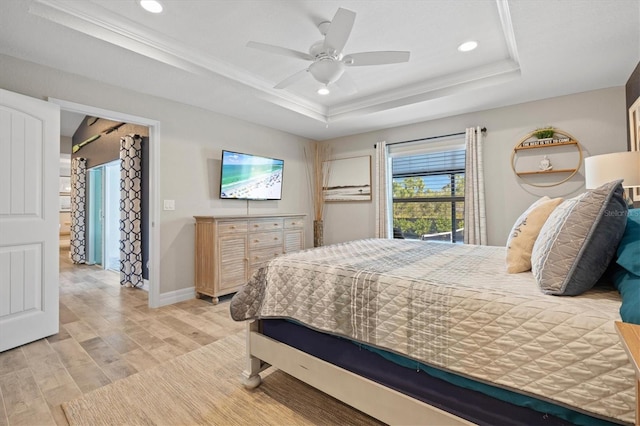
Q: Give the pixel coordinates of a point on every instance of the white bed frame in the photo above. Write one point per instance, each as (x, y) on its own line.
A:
(378, 401)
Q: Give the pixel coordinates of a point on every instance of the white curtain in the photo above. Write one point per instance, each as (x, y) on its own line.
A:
(130, 211)
(382, 192)
(475, 220)
(77, 242)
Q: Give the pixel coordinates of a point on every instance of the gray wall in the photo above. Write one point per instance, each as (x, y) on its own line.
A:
(65, 144)
(190, 148)
(107, 147)
(597, 119)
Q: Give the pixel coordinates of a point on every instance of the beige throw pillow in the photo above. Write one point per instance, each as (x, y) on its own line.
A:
(524, 233)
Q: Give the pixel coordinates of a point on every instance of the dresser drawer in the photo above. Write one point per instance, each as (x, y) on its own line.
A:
(262, 256)
(265, 225)
(293, 222)
(265, 239)
(232, 226)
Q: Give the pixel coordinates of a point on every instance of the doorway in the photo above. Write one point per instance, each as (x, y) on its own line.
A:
(153, 217)
(103, 216)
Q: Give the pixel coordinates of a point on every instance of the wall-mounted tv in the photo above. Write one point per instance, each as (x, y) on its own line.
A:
(250, 177)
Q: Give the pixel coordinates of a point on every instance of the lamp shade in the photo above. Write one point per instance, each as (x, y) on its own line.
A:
(600, 169)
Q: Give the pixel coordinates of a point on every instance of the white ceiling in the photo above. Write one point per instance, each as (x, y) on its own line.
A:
(195, 52)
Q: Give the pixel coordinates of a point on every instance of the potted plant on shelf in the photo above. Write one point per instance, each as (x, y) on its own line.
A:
(544, 134)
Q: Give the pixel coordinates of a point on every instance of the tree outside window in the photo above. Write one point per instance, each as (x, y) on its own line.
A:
(428, 196)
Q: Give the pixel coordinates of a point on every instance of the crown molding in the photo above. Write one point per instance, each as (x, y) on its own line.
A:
(98, 22)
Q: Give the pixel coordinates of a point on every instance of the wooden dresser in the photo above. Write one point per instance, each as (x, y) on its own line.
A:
(229, 249)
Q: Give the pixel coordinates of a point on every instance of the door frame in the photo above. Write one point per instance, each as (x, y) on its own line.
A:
(154, 182)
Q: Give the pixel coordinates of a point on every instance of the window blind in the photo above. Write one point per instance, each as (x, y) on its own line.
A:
(429, 163)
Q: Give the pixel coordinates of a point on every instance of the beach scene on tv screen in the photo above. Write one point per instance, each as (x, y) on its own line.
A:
(248, 176)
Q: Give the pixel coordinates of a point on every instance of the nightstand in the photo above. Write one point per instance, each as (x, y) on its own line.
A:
(630, 338)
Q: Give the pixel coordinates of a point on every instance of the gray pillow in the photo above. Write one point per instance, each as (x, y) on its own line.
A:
(578, 240)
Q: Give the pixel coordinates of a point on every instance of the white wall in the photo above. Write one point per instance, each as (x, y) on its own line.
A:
(191, 144)
(597, 119)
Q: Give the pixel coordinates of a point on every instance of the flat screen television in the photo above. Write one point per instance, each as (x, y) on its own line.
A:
(250, 177)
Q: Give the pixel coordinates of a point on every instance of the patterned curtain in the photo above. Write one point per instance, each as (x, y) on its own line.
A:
(475, 220)
(382, 192)
(77, 243)
(130, 211)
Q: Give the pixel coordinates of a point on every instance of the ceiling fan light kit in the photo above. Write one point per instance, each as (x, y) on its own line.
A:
(326, 71)
(328, 61)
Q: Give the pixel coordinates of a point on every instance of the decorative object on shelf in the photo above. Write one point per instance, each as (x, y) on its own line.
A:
(545, 133)
(600, 169)
(559, 138)
(545, 164)
(318, 171)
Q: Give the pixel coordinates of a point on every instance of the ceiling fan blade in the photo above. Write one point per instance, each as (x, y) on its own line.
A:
(291, 79)
(280, 50)
(376, 58)
(339, 30)
(346, 84)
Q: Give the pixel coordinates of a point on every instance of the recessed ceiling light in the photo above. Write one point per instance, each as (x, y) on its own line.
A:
(323, 91)
(152, 6)
(468, 46)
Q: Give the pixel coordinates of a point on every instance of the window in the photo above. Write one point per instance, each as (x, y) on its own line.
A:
(428, 194)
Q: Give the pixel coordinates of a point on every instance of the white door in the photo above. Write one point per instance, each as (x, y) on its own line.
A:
(29, 219)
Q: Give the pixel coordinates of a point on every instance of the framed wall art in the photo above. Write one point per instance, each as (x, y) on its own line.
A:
(349, 179)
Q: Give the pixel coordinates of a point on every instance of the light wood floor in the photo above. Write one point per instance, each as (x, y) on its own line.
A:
(106, 333)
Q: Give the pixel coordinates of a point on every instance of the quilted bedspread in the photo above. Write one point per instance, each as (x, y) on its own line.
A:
(454, 307)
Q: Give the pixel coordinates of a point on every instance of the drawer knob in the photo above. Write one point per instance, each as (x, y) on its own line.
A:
(275, 238)
(256, 226)
(256, 241)
(233, 227)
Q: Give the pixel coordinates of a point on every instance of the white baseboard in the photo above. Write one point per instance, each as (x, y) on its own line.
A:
(177, 296)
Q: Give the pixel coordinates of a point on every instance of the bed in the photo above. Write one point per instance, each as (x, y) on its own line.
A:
(444, 310)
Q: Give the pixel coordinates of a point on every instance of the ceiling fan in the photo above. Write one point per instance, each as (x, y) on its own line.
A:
(328, 62)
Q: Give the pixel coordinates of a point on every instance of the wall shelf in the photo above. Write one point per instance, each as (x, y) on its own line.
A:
(550, 145)
(544, 172)
(529, 142)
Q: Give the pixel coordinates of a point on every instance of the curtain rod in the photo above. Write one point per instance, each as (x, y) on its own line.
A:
(484, 129)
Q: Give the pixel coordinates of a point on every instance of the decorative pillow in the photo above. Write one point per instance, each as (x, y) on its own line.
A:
(628, 284)
(524, 233)
(629, 248)
(579, 240)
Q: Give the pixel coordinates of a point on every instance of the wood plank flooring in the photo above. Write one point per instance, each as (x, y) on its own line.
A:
(107, 332)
